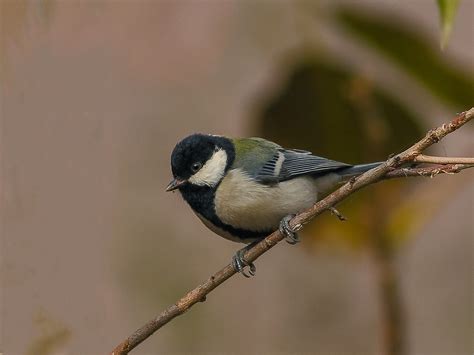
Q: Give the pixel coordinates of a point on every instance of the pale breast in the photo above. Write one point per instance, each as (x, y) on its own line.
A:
(243, 203)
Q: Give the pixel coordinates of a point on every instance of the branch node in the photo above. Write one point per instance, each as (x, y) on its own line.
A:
(338, 214)
(406, 170)
(433, 136)
(268, 243)
(352, 181)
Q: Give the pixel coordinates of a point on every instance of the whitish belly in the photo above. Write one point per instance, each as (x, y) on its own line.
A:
(246, 204)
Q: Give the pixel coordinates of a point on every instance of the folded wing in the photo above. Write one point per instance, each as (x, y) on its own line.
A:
(289, 163)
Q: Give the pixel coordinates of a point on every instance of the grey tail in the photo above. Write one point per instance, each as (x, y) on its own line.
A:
(356, 170)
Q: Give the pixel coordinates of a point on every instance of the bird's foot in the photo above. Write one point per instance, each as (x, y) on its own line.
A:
(290, 234)
(239, 263)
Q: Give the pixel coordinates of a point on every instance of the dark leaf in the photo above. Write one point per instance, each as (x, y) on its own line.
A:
(402, 44)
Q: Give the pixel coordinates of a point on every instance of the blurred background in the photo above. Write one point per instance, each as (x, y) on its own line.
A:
(95, 94)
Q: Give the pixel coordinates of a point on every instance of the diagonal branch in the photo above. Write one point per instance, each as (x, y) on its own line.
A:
(389, 169)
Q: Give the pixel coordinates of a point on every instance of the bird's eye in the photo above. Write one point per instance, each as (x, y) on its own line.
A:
(196, 166)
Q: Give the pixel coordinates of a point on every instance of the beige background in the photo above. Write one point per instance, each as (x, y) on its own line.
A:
(95, 95)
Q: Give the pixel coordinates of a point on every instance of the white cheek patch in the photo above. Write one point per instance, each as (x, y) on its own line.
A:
(212, 172)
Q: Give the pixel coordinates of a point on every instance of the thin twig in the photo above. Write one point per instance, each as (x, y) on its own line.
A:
(338, 214)
(391, 166)
(442, 160)
(429, 171)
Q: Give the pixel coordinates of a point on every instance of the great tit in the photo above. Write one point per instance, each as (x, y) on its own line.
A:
(243, 189)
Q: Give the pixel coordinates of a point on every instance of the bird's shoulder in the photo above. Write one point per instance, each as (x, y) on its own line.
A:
(251, 154)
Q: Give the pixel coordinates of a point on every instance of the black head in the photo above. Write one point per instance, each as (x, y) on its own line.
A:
(201, 160)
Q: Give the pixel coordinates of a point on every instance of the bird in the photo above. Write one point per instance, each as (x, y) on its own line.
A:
(243, 189)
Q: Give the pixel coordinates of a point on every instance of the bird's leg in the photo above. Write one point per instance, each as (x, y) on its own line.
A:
(239, 263)
(290, 234)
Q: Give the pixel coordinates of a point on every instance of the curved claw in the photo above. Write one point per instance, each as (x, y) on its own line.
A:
(239, 263)
(290, 234)
(252, 269)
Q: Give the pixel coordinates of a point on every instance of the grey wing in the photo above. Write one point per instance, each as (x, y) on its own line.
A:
(288, 163)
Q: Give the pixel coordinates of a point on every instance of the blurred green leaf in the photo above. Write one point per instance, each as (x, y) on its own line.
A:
(402, 44)
(341, 115)
(447, 12)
